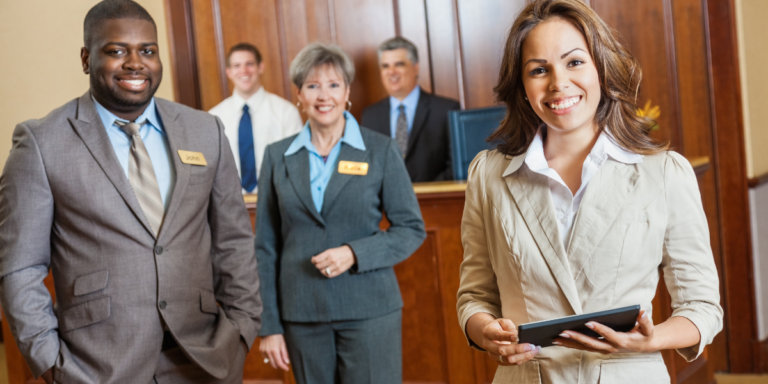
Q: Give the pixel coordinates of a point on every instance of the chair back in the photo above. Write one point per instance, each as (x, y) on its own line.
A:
(469, 129)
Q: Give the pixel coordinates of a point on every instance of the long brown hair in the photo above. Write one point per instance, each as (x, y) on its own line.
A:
(619, 74)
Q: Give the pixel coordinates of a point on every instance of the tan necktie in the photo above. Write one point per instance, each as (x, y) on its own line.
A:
(141, 175)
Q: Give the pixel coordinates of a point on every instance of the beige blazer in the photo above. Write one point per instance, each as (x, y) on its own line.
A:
(632, 220)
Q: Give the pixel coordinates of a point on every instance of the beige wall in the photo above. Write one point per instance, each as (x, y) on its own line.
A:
(40, 41)
(753, 56)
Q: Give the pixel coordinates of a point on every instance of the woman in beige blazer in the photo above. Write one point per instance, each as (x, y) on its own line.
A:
(576, 211)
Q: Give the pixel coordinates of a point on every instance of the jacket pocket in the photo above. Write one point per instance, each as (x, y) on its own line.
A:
(526, 373)
(91, 283)
(629, 371)
(208, 302)
(88, 313)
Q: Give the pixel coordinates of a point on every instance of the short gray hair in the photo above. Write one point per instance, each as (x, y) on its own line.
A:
(400, 43)
(317, 55)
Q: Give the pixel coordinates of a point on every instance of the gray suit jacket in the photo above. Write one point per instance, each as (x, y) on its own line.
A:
(290, 231)
(66, 205)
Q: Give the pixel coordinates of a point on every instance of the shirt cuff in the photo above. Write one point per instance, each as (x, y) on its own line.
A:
(699, 320)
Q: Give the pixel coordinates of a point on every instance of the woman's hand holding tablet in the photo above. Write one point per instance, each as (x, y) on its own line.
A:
(639, 339)
(499, 339)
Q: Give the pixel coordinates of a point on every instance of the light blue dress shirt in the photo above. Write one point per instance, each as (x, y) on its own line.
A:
(320, 171)
(410, 102)
(155, 140)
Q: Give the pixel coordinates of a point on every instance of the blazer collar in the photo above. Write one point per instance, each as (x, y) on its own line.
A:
(339, 180)
(419, 121)
(177, 139)
(92, 132)
(530, 191)
(605, 196)
(297, 165)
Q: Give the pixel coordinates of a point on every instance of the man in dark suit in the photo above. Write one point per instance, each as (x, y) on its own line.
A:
(416, 120)
(134, 204)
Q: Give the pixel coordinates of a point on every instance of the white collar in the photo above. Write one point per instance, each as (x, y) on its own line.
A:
(252, 101)
(604, 147)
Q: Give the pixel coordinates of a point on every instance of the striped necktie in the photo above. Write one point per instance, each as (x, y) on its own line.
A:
(401, 130)
(141, 175)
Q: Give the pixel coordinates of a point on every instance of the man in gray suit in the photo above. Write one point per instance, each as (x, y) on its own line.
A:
(134, 204)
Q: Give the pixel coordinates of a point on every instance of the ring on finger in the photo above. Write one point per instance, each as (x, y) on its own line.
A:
(501, 359)
(327, 271)
(266, 360)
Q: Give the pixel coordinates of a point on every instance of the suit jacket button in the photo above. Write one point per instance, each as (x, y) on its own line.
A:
(159, 250)
(163, 304)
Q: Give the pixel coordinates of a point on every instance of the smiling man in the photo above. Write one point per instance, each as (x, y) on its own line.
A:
(253, 118)
(132, 202)
(416, 120)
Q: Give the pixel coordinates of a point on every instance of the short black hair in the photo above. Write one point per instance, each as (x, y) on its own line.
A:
(112, 9)
(246, 47)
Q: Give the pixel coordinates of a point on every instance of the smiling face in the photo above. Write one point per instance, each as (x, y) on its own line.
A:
(560, 77)
(244, 72)
(398, 74)
(124, 66)
(324, 96)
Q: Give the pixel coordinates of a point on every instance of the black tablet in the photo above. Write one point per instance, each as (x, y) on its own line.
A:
(543, 333)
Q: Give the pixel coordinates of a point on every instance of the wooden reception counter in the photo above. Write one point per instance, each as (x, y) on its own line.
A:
(434, 348)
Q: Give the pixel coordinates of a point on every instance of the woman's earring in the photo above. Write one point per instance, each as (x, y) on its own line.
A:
(526, 98)
(298, 104)
(349, 105)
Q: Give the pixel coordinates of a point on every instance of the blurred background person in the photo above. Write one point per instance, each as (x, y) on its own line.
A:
(253, 118)
(332, 300)
(416, 120)
(577, 210)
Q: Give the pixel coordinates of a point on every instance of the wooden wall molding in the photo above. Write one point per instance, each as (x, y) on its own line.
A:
(730, 169)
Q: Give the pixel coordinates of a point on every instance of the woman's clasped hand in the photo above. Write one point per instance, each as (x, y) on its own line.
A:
(335, 261)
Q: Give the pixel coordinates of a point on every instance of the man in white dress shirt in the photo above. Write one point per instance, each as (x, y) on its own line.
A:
(253, 118)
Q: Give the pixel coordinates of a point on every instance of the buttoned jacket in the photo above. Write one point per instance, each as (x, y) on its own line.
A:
(290, 231)
(634, 220)
(67, 205)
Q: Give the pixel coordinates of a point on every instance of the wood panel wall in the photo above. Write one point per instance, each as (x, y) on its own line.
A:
(686, 49)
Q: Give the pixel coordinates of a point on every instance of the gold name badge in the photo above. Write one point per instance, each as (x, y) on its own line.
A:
(194, 158)
(353, 168)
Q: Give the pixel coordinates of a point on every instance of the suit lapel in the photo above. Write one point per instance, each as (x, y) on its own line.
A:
(177, 139)
(339, 180)
(531, 193)
(89, 127)
(384, 117)
(604, 197)
(419, 120)
(297, 166)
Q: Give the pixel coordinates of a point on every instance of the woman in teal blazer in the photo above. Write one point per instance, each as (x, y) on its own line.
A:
(332, 305)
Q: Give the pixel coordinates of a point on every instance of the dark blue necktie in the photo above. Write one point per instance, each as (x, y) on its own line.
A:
(247, 152)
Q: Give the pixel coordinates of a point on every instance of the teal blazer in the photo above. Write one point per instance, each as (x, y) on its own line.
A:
(290, 231)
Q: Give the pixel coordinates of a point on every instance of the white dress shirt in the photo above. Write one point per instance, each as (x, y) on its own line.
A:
(272, 117)
(566, 204)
